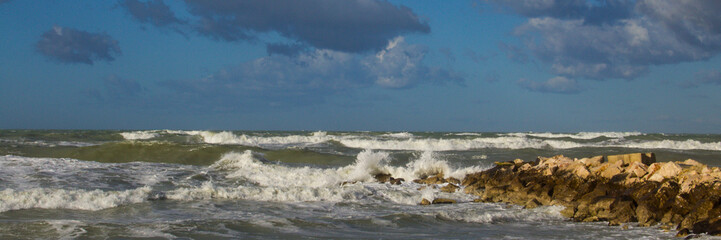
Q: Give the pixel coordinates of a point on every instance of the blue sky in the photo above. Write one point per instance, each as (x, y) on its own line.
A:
(495, 65)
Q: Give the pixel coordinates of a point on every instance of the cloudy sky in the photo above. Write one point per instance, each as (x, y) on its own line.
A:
(399, 65)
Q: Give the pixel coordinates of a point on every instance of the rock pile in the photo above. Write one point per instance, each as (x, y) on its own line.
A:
(618, 189)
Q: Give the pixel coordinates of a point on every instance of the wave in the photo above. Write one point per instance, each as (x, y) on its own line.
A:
(236, 175)
(580, 135)
(140, 135)
(69, 199)
(398, 135)
(505, 141)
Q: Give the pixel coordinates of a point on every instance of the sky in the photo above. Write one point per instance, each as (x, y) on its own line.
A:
(362, 65)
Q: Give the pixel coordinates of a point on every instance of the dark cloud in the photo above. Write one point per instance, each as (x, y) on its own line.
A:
(75, 46)
(633, 36)
(154, 12)
(312, 75)
(560, 85)
(290, 50)
(348, 26)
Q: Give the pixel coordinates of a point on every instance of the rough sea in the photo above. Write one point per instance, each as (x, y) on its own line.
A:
(170, 184)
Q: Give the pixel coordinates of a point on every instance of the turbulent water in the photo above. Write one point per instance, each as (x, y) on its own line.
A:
(167, 184)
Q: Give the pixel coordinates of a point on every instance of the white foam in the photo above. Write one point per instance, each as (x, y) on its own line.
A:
(580, 135)
(69, 199)
(140, 135)
(430, 144)
(496, 213)
(398, 135)
(407, 141)
(275, 182)
(258, 141)
(670, 144)
(67, 229)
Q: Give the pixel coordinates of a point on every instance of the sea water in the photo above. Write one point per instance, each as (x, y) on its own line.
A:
(168, 184)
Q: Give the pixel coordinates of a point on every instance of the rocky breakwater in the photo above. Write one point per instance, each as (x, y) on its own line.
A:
(685, 196)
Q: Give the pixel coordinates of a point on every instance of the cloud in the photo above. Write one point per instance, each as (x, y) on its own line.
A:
(347, 26)
(154, 12)
(560, 85)
(312, 75)
(576, 42)
(69, 45)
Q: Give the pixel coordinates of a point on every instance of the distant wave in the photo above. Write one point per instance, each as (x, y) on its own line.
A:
(580, 135)
(504, 141)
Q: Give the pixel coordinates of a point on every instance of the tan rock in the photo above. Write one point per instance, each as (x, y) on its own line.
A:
(611, 171)
(592, 161)
(580, 171)
(666, 170)
(518, 161)
(425, 202)
(645, 158)
(636, 169)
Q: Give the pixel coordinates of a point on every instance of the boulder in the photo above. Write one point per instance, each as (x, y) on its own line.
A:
(592, 161)
(382, 177)
(443, 201)
(663, 170)
(449, 188)
(396, 181)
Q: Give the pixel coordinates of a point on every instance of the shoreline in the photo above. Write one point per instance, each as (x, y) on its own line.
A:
(683, 196)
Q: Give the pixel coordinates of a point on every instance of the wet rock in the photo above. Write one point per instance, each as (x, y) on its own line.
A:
(382, 177)
(425, 202)
(443, 201)
(435, 179)
(396, 181)
(450, 188)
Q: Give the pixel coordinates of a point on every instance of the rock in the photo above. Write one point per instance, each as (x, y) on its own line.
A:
(645, 158)
(397, 181)
(663, 171)
(636, 169)
(382, 177)
(436, 179)
(453, 180)
(443, 201)
(683, 232)
(680, 195)
(592, 161)
(610, 171)
(533, 203)
(425, 202)
(449, 188)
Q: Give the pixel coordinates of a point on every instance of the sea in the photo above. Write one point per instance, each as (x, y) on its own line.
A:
(179, 184)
